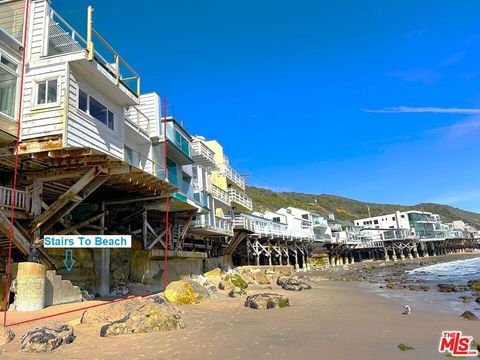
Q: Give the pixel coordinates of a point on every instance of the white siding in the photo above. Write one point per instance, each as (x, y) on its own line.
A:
(85, 131)
(150, 107)
(43, 121)
(38, 28)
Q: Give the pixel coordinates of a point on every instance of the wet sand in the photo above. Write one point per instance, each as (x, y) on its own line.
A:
(334, 320)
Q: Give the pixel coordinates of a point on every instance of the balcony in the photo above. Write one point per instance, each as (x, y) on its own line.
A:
(220, 227)
(233, 177)
(64, 39)
(21, 198)
(143, 163)
(201, 199)
(203, 155)
(239, 200)
(178, 141)
(221, 195)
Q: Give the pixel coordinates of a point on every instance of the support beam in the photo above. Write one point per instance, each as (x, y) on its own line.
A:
(64, 199)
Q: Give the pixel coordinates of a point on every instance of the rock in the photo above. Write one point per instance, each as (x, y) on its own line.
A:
(87, 296)
(236, 280)
(185, 292)
(466, 299)
(477, 300)
(113, 311)
(156, 315)
(447, 288)
(469, 315)
(291, 283)
(215, 273)
(261, 278)
(474, 285)
(237, 292)
(267, 301)
(6, 335)
(403, 347)
(226, 285)
(47, 338)
(419, 287)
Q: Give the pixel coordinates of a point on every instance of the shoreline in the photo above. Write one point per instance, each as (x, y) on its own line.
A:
(335, 319)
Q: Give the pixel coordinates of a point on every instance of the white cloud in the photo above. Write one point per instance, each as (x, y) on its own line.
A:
(425, 109)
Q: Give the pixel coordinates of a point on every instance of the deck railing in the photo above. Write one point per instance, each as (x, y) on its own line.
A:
(220, 224)
(21, 198)
(231, 174)
(220, 194)
(139, 120)
(145, 164)
(240, 198)
(199, 149)
(64, 38)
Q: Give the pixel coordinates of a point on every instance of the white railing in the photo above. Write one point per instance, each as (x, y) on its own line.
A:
(240, 198)
(139, 121)
(66, 39)
(220, 194)
(227, 171)
(145, 164)
(20, 198)
(199, 149)
(221, 225)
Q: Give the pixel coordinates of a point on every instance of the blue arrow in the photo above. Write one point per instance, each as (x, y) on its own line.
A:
(67, 259)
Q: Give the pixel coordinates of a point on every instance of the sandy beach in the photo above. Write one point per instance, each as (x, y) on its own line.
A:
(334, 320)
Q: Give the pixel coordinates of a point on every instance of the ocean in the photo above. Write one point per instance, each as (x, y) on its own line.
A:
(457, 272)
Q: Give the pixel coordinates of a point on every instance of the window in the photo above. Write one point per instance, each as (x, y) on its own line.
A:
(375, 222)
(96, 109)
(8, 86)
(402, 216)
(305, 216)
(276, 219)
(82, 100)
(393, 218)
(47, 92)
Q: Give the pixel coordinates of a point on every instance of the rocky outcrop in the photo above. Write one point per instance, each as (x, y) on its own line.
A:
(113, 311)
(474, 285)
(47, 338)
(237, 292)
(133, 316)
(6, 335)
(469, 315)
(186, 292)
(447, 288)
(267, 301)
(154, 316)
(292, 283)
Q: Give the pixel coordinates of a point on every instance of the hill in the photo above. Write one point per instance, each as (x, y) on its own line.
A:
(345, 209)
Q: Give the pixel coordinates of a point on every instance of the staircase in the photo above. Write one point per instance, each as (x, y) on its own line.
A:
(59, 291)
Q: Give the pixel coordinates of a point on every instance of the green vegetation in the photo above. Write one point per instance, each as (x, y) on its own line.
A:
(347, 210)
(403, 347)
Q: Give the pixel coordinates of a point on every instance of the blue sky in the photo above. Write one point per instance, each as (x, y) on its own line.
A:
(373, 100)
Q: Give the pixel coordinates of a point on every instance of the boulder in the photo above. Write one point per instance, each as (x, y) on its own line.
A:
(113, 311)
(156, 315)
(47, 338)
(261, 278)
(469, 315)
(226, 285)
(236, 280)
(447, 288)
(185, 292)
(237, 292)
(466, 299)
(474, 285)
(6, 335)
(213, 274)
(419, 287)
(292, 283)
(267, 301)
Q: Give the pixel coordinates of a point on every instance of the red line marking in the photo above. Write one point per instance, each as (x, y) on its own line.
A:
(165, 260)
(15, 168)
(80, 309)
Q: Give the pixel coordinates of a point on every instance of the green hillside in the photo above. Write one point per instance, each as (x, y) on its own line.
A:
(348, 209)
